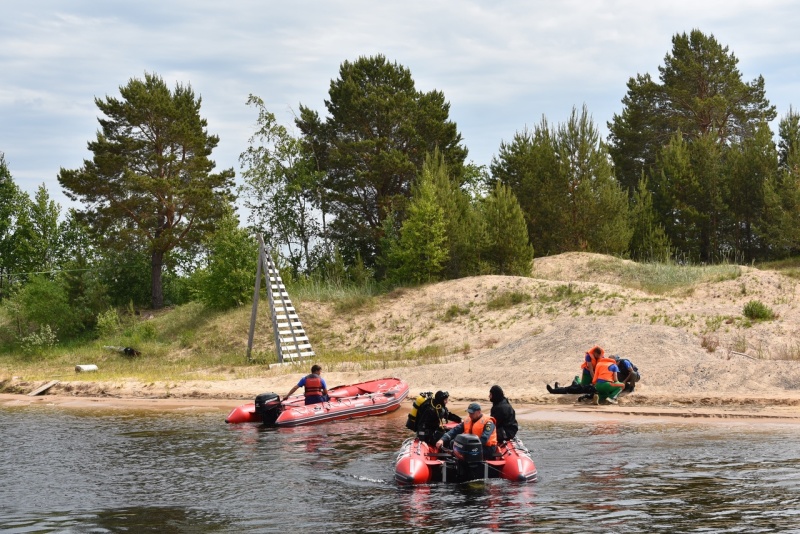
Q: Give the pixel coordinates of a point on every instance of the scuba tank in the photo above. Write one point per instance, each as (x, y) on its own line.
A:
(422, 398)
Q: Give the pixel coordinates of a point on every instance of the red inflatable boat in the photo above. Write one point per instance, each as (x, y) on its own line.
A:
(375, 397)
(419, 463)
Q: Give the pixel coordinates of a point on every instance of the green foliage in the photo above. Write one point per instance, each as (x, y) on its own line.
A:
(108, 323)
(10, 196)
(701, 136)
(758, 311)
(779, 226)
(282, 190)
(648, 242)
(419, 255)
(150, 184)
(507, 251)
(372, 146)
(663, 277)
(229, 278)
(42, 302)
(566, 186)
(38, 342)
(529, 166)
(465, 229)
(126, 275)
(750, 167)
(701, 93)
(693, 207)
(29, 232)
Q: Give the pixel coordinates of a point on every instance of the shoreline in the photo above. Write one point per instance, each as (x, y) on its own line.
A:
(526, 411)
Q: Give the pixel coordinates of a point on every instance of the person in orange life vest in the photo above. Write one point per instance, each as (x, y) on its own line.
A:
(316, 390)
(589, 363)
(477, 424)
(605, 381)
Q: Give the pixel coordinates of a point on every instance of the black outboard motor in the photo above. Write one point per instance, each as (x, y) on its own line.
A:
(468, 452)
(468, 448)
(268, 407)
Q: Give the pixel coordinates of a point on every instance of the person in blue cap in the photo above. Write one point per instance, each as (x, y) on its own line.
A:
(477, 424)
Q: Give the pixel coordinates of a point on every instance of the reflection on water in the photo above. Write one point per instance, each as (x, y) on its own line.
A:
(102, 471)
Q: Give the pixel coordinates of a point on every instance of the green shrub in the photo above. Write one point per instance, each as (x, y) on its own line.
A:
(38, 342)
(108, 323)
(758, 311)
(42, 302)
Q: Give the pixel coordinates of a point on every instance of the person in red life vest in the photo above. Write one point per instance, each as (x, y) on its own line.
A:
(605, 381)
(477, 424)
(316, 390)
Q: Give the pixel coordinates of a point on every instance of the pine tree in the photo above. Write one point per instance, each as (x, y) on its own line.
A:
(421, 252)
(508, 251)
(648, 241)
(150, 184)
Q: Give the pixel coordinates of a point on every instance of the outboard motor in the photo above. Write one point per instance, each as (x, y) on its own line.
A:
(468, 452)
(268, 407)
(468, 448)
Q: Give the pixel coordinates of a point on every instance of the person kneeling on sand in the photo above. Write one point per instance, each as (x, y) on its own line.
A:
(605, 381)
(584, 384)
(628, 373)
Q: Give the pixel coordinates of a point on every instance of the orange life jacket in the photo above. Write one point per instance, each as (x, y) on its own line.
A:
(601, 371)
(478, 426)
(594, 358)
(313, 385)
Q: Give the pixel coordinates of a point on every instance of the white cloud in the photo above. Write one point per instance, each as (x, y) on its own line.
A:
(502, 65)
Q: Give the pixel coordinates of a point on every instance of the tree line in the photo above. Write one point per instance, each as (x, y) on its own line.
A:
(379, 189)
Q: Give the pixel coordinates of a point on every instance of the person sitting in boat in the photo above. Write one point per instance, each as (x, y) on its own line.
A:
(605, 381)
(316, 390)
(503, 413)
(628, 373)
(477, 424)
(431, 417)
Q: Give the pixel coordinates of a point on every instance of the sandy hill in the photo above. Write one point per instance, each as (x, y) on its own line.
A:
(692, 346)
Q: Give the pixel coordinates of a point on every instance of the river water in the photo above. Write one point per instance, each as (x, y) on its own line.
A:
(95, 471)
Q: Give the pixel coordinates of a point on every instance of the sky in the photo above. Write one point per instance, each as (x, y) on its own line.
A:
(502, 65)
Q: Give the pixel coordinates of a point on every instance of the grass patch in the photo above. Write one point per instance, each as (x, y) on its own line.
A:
(661, 278)
(453, 312)
(507, 299)
(758, 311)
(565, 292)
(788, 267)
(190, 342)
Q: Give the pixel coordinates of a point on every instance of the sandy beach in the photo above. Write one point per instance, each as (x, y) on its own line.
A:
(697, 358)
